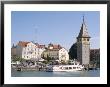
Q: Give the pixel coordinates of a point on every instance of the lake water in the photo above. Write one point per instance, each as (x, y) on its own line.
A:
(90, 73)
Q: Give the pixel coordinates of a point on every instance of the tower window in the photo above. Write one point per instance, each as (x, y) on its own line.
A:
(87, 39)
(84, 39)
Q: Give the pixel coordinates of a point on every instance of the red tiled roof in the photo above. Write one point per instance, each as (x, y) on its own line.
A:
(40, 46)
(95, 49)
(54, 49)
(56, 46)
(23, 44)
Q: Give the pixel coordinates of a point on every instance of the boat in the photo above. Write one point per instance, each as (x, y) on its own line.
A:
(67, 68)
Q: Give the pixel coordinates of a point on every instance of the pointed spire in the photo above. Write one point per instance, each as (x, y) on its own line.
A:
(83, 18)
(83, 23)
(83, 31)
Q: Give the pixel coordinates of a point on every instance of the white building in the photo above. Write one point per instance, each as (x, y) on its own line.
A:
(41, 48)
(56, 52)
(63, 55)
(28, 50)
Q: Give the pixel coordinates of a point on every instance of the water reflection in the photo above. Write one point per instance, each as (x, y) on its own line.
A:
(91, 73)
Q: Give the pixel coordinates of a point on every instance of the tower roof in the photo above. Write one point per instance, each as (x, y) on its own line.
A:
(83, 32)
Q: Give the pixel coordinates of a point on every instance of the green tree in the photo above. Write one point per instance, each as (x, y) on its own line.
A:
(17, 58)
(62, 62)
(45, 62)
(43, 56)
(48, 58)
(73, 51)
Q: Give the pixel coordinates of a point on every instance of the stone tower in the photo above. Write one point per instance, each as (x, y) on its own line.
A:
(83, 45)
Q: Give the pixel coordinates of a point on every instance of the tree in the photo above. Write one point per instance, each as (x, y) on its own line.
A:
(48, 58)
(45, 62)
(17, 58)
(43, 56)
(63, 62)
(73, 51)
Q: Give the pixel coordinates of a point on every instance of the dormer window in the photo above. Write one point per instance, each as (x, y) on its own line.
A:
(87, 39)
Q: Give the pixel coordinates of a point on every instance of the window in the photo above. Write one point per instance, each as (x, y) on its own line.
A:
(84, 39)
(75, 63)
(60, 67)
(66, 67)
(74, 67)
(87, 39)
(70, 67)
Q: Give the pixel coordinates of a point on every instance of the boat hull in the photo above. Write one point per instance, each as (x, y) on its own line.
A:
(64, 68)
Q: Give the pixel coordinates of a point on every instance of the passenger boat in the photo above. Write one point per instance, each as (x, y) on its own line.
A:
(67, 68)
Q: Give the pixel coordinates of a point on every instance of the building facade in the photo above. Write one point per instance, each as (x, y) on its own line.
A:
(13, 50)
(28, 50)
(56, 52)
(83, 45)
(95, 56)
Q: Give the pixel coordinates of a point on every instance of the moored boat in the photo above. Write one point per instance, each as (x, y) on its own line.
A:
(67, 68)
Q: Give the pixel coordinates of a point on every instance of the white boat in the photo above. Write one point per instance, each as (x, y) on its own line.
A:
(67, 68)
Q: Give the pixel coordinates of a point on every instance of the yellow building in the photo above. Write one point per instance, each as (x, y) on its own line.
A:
(56, 52)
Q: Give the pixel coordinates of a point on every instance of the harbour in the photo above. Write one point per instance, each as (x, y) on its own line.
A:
(90, 73)
(33, 59)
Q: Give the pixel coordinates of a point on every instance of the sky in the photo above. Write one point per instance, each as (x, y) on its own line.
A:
(57, 27)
